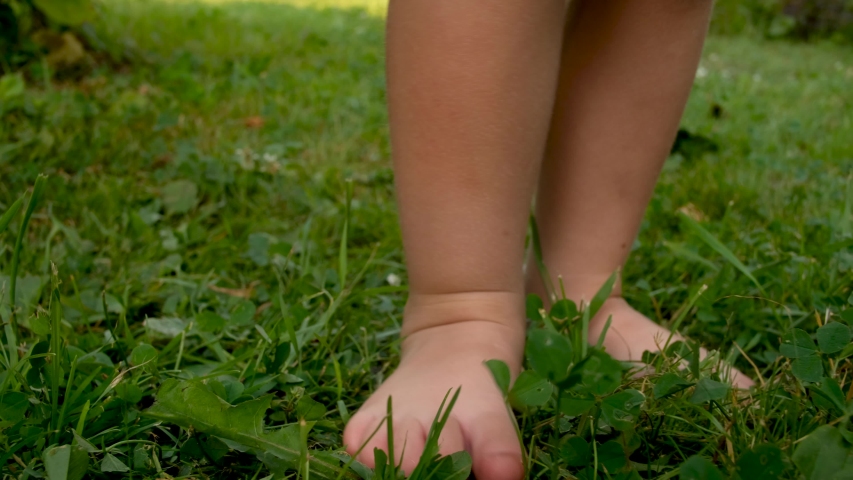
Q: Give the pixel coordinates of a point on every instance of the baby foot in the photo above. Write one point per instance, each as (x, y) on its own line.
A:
(434, 361)
(631, 333)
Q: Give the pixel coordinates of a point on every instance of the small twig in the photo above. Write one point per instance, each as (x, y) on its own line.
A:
(754, 366)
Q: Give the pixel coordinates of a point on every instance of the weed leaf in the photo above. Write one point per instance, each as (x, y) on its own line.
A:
(669, 384)
(622, 409)
(564, 309)
(575, 451)
(807, 369)
(143, 354)
(699, 468)
(763, 461)
(576, 406)
(530, 390)
(612, 457)
(168, 327)
(190, 405)
(215, 448)
(13, 406)
(798, 344)
(833, 337)
(533, 306)
(243, 314)
(454, 467)
(112, 464)
(65, 463)
(208, 321)
(821, 454)
(84, 444)
(179, 196)
(709, 390)
(310, 409)
(259, 249)
(500, 372)
(830, 392)
(599, 374)
(549, 354)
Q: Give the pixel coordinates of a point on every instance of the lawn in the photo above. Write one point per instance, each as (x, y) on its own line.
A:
(218, 225)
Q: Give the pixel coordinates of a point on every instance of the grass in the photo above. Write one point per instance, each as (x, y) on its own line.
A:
(195, 224)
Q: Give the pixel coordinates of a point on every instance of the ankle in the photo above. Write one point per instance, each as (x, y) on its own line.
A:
(470, 318)
(579, 288)
(434, 310)
(465, 343)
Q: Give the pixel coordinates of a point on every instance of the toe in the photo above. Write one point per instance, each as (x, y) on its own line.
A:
(356, 432)
(499, 466)
(735, 377)
(358, 441)
(740, 380)
(409, 441)
(451, 439)
(495, 448)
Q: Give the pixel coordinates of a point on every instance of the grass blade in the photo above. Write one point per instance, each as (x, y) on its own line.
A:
(600, 341)
(342, 251)
(718, 246)
(583, 341)
(603, 293)
(304, 466)
(390, 425)
(9, 332)
(845, 225)
(65, 402)
(431, 448)
(682, 314)
(38, 190)
(10, 214)
(107, 319)
(683, 252)
(540, 261)
(55, 346)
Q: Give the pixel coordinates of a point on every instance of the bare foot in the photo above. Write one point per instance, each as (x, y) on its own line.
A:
(435, 360)
(631, 333)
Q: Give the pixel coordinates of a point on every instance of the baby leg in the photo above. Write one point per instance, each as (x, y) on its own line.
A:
(471, 86)
(627, 69)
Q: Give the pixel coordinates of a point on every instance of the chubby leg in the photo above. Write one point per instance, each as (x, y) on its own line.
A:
(627, 69)
(471, 87)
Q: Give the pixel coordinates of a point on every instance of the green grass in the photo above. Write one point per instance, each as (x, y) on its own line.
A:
(217, 241)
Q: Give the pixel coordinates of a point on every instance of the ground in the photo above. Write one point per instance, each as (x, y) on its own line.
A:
(205, 187)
